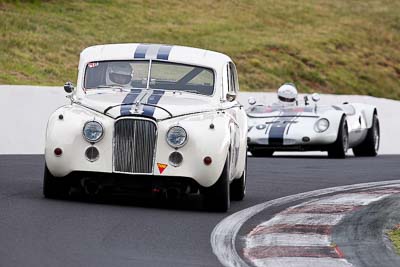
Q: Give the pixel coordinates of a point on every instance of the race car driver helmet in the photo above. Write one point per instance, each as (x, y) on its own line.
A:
(120, 72)
(287, 94)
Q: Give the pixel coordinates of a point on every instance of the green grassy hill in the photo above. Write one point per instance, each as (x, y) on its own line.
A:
(333, 46)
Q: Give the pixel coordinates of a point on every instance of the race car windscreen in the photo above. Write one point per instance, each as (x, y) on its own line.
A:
(260, 109)
(163, 75)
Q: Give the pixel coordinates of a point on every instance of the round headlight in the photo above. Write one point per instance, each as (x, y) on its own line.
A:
(322, 125)
(93, 131)
(176, 137)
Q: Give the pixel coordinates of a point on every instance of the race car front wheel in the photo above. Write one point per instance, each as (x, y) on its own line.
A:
(53, 187)
(370, 146)
(217, 197)
(339, 148)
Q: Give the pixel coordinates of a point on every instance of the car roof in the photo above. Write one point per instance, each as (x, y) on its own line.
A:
(173, 53)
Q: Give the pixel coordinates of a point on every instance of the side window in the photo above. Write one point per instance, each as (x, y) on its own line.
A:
(231, 83)
(228, 71)
(233, 78)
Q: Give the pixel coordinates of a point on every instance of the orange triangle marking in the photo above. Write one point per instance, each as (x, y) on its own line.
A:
(161, 167)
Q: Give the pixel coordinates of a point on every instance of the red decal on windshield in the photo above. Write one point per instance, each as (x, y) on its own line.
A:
(93, 64)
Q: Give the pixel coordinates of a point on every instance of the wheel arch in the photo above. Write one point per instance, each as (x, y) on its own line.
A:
(335, 120)
(369, 114)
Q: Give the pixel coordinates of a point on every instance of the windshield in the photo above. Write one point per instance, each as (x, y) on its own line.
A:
(280, 108)
(135, 74)
(260, 109)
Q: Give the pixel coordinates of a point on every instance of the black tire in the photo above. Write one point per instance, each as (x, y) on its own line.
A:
(338, 149)
(217, 197)
(52, 186)
(238, 186)
(370, 146)
(262, 153)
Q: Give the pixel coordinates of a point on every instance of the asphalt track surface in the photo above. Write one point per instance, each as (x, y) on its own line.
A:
(111, 232)
(361, 235)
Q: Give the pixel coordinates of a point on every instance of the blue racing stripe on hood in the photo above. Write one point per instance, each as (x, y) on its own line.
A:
(163, 52)
(153, 99)
(141, 50)
(129, 98)
(277, 131)
(276, 134)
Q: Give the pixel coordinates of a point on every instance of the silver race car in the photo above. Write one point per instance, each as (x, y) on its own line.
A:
(312, 127)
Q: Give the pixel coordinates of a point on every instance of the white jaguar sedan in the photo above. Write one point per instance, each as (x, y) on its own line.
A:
(149, 119)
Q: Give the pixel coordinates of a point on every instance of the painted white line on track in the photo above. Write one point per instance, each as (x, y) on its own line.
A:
(305, 219)
(281, 239)
(223, 237)
(301, 262)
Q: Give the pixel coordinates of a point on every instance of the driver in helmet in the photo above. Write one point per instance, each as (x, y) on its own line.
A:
(287, 95)
(120, 73)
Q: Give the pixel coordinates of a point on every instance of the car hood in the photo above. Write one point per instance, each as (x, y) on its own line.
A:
(157, 104)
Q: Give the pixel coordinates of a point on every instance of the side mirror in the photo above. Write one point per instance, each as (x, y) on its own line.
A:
(306, 100)
(68, 87)
(252, 101)
(231, 96)
(315, 97)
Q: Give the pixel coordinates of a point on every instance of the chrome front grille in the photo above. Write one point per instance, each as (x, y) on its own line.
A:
(134, 145)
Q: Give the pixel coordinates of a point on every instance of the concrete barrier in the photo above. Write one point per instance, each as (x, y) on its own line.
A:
(24, 112)
(25, 109)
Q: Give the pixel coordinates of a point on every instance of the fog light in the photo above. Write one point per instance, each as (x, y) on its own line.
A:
(207, 160)
(261, 126)
(175, 159)
(58, 151)
(92, 153)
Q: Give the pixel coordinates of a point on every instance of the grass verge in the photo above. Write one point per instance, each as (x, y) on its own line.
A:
(343, 46)
(394, 236)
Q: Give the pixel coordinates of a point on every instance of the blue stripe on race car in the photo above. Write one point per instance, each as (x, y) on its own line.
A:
(129, 98)
(141, 50)
(163, 52)
(153, 99)
(276, 133)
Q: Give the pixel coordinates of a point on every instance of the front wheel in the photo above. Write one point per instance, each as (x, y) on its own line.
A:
(217, 197)
(339, 148)
(52, 186)
(370, 146)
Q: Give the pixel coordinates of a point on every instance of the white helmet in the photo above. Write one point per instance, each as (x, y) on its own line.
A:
(287, 94)
(120, 72)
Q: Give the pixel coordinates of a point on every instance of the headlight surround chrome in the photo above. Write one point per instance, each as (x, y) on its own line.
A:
(177, 137)
(93, 131)
(321, 125)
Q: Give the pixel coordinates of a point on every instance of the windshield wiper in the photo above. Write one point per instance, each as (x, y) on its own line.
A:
(190, 91)
(112, 86)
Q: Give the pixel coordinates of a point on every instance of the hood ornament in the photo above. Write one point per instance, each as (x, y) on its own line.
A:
(138, 109)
